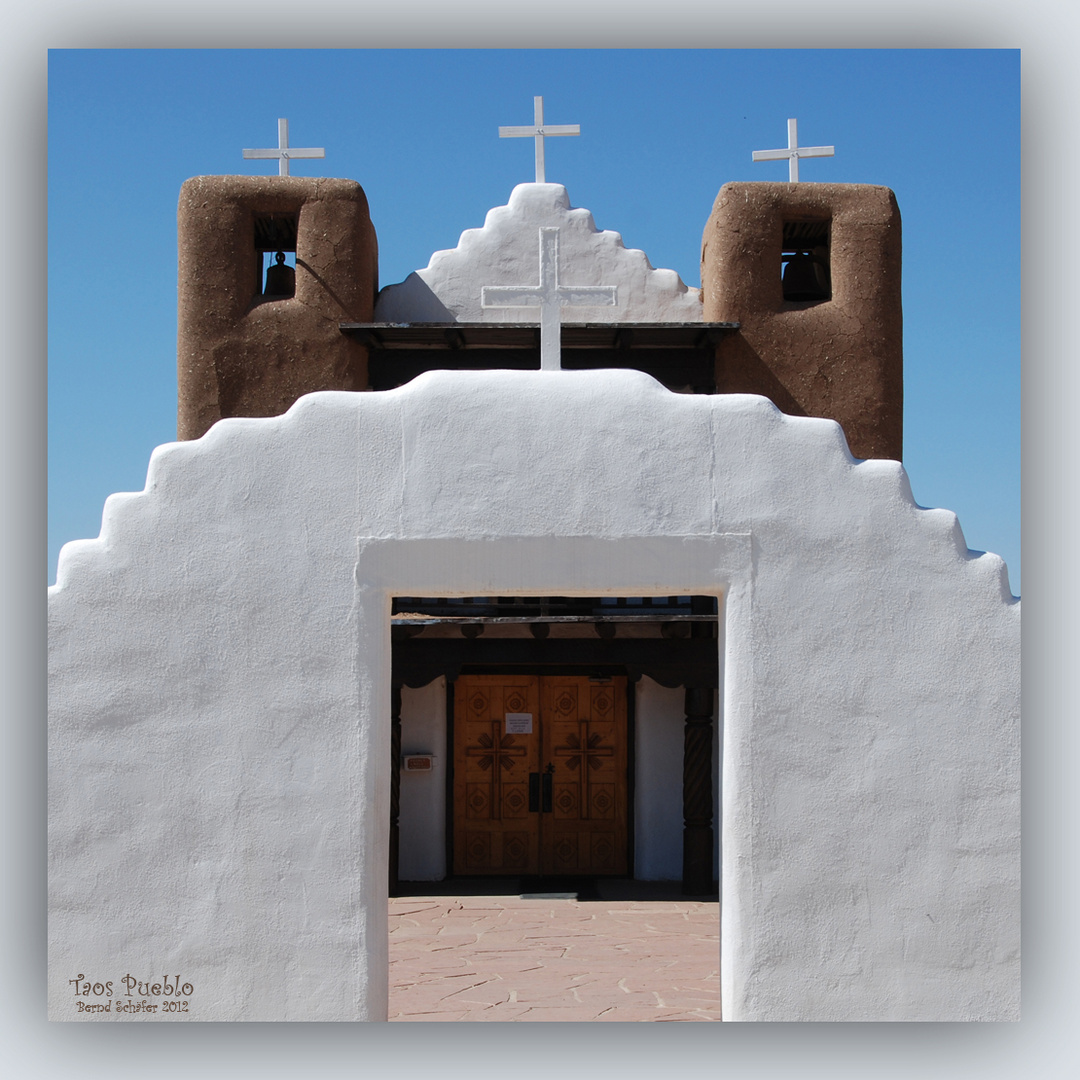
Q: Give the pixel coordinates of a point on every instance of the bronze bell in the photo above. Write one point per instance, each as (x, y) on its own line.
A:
(806, 277)
(280, 279)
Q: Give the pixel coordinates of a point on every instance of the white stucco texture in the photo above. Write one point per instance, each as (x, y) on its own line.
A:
(219, 735)
(506, 251)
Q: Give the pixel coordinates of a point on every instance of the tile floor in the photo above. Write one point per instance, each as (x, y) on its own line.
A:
(622, 952)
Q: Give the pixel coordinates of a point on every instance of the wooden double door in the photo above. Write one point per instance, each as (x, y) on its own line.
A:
(540, 775)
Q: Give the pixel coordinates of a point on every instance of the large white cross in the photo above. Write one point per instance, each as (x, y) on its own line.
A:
(284, 152)
(793, 152)
(550, 297)
(538, 131)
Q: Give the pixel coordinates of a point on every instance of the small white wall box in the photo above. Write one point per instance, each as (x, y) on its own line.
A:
(418, 762)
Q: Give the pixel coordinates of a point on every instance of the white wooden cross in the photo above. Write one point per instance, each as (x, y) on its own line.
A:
(793, 152)
(284, 152)
(550, 297)
(538, 131)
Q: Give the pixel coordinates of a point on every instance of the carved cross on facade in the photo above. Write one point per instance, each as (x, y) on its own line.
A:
(538, 131)
(284, 152)
(495, 752)
(591, 753)
(550, 297)
(793, 152)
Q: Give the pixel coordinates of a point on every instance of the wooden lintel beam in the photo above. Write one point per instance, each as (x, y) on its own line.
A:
(367, 337)
(672, 662)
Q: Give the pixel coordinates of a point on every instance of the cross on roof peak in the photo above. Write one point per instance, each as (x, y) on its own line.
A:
(284, 152)
(539, 132)
(793, 152)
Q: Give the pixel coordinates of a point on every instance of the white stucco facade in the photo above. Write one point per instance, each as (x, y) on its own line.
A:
(505, 252)
(220, 683)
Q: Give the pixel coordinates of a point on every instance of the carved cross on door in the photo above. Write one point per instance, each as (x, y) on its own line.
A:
(495, 752)
(591, 753)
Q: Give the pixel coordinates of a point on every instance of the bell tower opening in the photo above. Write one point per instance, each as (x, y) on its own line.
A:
(804, 258)
(275, 266)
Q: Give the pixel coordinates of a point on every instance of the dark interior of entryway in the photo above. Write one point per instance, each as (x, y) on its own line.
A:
(539, 765)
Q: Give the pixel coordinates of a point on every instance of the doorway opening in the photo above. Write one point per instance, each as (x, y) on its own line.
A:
(564, 809)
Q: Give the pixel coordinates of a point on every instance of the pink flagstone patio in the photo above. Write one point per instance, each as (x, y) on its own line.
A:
(505, 957)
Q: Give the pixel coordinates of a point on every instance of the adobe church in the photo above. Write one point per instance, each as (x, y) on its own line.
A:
(537, 564)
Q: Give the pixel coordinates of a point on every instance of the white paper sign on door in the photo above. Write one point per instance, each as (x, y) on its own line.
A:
(519, 723)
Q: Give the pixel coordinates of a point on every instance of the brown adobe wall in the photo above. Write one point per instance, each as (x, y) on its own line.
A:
(840, 358)
(239, 354)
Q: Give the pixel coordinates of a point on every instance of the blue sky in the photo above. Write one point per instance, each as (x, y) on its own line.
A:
(661, 132)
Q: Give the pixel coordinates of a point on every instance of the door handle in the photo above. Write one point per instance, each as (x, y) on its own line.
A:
(534, 792)
(546, 800)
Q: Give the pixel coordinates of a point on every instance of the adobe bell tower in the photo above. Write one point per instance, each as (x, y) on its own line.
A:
(252, 338)
(811, 272)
